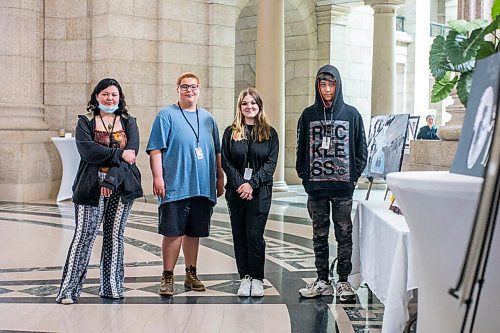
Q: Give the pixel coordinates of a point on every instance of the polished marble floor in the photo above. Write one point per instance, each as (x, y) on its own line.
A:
(34, 238)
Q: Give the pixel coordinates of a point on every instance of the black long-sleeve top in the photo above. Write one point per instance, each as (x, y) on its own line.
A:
(259, 156)
(121, 176)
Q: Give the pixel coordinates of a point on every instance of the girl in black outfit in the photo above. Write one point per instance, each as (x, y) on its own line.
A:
(249, 156)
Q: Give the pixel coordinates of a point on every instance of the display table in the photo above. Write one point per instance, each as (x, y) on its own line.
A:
(382, 258)
(439, 208)
(70, 160)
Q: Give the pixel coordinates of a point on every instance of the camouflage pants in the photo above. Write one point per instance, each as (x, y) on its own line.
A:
(319, 211)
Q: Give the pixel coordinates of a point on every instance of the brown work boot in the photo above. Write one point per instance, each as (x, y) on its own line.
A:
(167, 284)
(192, 280)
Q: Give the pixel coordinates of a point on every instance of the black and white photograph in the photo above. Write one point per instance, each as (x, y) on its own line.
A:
(412, 129)
(477, 131)
(386, 141)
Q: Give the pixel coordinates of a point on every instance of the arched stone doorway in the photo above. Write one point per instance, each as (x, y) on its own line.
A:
(300, 63)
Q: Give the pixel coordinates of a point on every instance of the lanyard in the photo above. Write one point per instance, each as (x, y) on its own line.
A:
(331, 119)
(197, 135)
(249, 144)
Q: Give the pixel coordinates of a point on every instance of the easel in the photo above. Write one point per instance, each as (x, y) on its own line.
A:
(370, 179)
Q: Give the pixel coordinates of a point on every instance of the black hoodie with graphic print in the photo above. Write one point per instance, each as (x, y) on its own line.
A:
(332, 171)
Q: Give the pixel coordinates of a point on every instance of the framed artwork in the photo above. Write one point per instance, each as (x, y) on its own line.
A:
(412, 129)
(476, 137)
(386, 141)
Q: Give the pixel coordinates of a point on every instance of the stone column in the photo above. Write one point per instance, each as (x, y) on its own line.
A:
(474, 9)
(270, 73)
(384, 56)
(221, 60)
(421, 70)
(21, 57)
(29, 168)
(331, 20)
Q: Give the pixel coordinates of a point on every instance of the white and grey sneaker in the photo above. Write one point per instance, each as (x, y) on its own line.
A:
(317, 288)
(345, 292)
(244, 289)
(257, 288)
(67, 301)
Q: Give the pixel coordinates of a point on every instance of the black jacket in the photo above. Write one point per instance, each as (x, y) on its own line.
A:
(333, 171)
(260, 156)
(427, 133)
(121, 176)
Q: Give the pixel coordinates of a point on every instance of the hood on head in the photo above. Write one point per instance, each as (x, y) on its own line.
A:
(338, 99)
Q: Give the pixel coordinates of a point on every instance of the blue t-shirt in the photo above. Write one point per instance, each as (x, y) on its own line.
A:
(186, 175)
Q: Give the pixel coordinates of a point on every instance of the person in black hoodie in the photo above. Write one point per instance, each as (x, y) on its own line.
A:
(331, 155)
(105, 186)
(249, 155)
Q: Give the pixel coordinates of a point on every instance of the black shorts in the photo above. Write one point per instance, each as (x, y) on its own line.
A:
(186, 217)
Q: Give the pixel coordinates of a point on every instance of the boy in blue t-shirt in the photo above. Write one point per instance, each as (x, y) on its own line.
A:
(185, 160)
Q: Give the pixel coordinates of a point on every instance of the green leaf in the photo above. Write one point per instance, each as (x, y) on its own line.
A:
(459, 26)
(463, 27)
(487, 48)
(463, 87)
(459, 48)
(442, 88)
(495, 10)
(465, 67)
(494, 25)
(472, 44)
(476, 24)
(438, 62)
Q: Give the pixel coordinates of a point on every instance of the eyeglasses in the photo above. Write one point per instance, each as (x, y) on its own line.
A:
(186, 87)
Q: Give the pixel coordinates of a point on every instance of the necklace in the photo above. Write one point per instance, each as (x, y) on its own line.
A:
(109, 127)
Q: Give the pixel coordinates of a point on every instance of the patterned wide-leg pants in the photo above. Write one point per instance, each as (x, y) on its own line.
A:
(114, 213)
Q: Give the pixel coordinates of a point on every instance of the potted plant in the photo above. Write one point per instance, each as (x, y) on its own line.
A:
(452, 59)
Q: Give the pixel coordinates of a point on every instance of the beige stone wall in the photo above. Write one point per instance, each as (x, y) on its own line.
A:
(66, 66)
(29, 166)
(124, 36)
(430, 155)
(357, 75)
(62, 48)
(301, 54)
(145, 45)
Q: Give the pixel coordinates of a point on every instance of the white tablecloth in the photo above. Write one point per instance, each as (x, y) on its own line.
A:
(382, 258)
(70, 160)
(439, 207)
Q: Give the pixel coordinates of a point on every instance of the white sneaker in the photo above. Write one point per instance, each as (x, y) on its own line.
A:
(244, 289)
(317, 288)
(345, 292)
(67, 301)
(257, 288)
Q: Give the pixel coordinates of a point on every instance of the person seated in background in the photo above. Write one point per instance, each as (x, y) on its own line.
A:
(428, 132)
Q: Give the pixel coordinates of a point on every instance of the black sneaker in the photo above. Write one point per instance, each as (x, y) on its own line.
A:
(345, 293)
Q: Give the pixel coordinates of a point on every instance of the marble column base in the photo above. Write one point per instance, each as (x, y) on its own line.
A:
(449, 132)
(280, 186)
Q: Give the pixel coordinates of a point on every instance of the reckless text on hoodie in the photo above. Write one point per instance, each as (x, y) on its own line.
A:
(332, 171)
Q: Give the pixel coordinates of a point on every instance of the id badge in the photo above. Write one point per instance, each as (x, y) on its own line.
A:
(248, 174)
(325, 144)
(199, 153)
